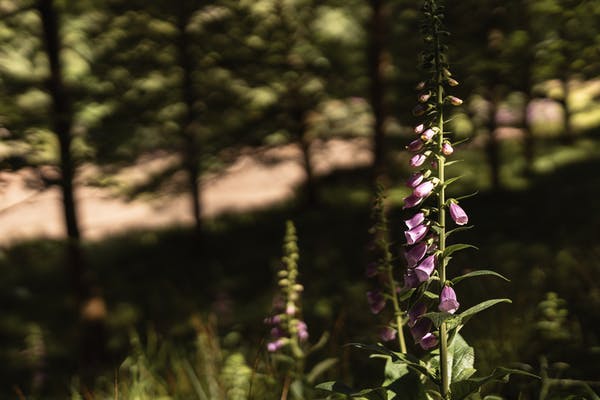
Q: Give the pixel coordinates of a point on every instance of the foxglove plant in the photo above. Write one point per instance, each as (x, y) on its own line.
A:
(433, 319)
(288, 342)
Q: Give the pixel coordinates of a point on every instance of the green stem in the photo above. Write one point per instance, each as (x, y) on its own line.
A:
(443, 332)
(397, 310)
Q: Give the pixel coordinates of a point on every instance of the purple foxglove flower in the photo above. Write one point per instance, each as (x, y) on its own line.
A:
(419, 110)
(447, 149)
(274, 320)
(416, 219)
(448, 301)
(411, 201)
(410, 279)
(276, 332)
(420, 329)
(387, 334)
(376, 301)
(372, 270)
(414, 255)
(415, 312)
(302, 331)
(455, 101)
(423, 189)
(425, 268)
(275, 345)
(459, 215)
(415, 145)
(414, 180)
(419, 129)
(417, 160)
(416, 234)
(428, 134)
(429, 341)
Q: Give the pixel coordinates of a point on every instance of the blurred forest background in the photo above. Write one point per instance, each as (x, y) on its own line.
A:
(151, 152)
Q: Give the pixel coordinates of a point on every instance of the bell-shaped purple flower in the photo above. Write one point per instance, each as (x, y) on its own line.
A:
(414, 180)
(387, 334)
(423, 189)
(415, 220)
(420, 329)
(425, 268)
(415, 234)
(415, 254)
(376, 301)
(429, 341)
(411, 201)
(417, 160)
(459, 215)
(410, 279)
(415, 312)
(448, 301)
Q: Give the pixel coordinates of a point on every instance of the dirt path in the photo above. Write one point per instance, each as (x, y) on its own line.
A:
(253, 181)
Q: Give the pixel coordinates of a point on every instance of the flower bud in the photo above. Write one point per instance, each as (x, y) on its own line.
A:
(298, 287)
(419, 110)
(387, 334)
(376, 301)
(455, 101)
(419, 129)
(447, 149)
(414, 180)
(452, 82)
(417, 160)
(424, 97)
(284, 282)
(415, 145)
(420, 85)
(428, 134)
(290, 309)
(282, 273)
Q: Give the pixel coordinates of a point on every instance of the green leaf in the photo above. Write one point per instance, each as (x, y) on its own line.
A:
(481, 272)
(466, 196)
(460, 228)
(319, 369)
(451, 181)
(453, 162)
(461, 389)
(407, 386)
(341, 388)
(456, 247)
(438, 317)
(462, 359)
(468, 313)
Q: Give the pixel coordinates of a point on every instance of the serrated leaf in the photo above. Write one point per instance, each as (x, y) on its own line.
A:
(320, 368)
(468, 313)
(461, 359)
(457, 247)
(481, 272)
(461, 389)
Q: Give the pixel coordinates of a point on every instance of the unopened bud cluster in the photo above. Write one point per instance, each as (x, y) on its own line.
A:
(287, 327)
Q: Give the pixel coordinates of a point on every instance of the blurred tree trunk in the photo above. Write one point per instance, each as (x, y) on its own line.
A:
(492, 146)
(568, 134)
(93, 339)
(376, 62)
(299, 115)
(190, 149)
